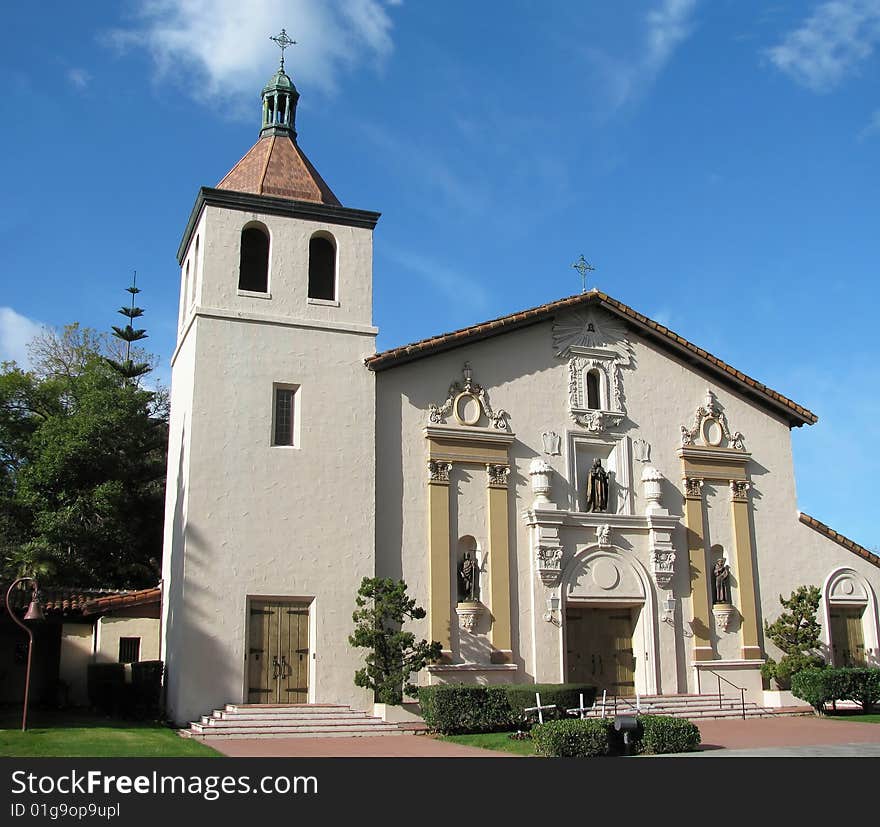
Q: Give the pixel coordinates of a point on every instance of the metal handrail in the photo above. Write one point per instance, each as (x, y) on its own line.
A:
(637, 707)
(742, 692)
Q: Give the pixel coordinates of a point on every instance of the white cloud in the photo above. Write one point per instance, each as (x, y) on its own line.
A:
(873, 127)
(16, 331)
(221, 47)
(462, 289)
(79, 78)
(667, 26)
(829, 44)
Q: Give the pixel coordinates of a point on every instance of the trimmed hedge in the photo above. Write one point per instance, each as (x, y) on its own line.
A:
(660, 734)
(574, 738)
(564, 695)
(464, 708)
(459, 708)
(822, 686)
(106, 684)
(146, 689)
(593, 737)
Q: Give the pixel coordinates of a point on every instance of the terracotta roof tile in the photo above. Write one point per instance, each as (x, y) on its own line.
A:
(122, 600)
(275, 165)
(798, 415)
(56, 601)
(831, 534)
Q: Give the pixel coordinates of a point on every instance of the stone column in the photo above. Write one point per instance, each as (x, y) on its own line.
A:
(693, 515)
(439, 579)
(499, 563)
(744, 568)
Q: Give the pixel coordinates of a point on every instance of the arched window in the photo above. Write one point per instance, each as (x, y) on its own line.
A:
(593, 396)
(253, 271)
(322, 268)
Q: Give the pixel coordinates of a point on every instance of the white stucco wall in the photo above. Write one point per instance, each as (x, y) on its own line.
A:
(523, 376)
(109, 629)
(77, 642)
(245, 518)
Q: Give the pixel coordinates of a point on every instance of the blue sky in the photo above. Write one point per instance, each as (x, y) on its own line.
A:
(716, 160)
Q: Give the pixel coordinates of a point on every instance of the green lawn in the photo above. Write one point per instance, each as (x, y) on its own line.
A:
(498, 741)
(77, 735)
(859, 719)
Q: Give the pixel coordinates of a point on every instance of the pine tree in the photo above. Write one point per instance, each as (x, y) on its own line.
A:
(394, 655)
(796, 633)
(126, 368)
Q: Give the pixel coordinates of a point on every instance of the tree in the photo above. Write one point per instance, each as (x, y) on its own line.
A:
(82, 466)
(126, 367)
(796, 633)
(383, 607)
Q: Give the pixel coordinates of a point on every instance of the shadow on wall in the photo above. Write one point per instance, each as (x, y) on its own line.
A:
(198, 676)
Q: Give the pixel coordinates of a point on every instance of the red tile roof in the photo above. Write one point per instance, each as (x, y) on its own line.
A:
(831, 534)
(123, 600)
(275, 165)
(67, 602)
(796, 414)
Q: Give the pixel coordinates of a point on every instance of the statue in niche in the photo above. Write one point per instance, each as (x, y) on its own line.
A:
(722, 581)
(597, 487)
(467, 575)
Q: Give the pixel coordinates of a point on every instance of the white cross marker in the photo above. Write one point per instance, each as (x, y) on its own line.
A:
(540, 709)
(579, 710)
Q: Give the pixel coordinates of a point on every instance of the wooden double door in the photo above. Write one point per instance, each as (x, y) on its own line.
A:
(278, 653)
(599, 644)
(847, 639)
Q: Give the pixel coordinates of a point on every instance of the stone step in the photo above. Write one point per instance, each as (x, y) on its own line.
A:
(294, 721)
(289, 721)
(283, 716)
(313, 732)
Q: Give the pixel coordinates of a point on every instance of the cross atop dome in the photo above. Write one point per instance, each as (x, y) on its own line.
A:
(283, 42)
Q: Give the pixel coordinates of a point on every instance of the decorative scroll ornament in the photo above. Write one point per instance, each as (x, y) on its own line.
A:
(725, 615)
(548, 562)
(596, 421)
(469, 613)
(552, 443)
(710, 427)
(603, 535)
(663, 564)
(498, 475)
(642, 450)
(739, 490)
(467, 402)
(439, 471)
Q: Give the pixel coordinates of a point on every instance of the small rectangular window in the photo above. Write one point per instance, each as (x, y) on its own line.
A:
(284, 420)
(129, 649)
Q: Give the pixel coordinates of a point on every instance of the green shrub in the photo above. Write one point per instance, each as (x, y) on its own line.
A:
(564, 695)
(814, 686)
(862, 685)
(574, 738)
(146, 689)
(459, 708)
(787, 666)
(106, 684)
(659, 734)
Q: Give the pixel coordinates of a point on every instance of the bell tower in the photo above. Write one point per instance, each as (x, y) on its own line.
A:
(271, 463)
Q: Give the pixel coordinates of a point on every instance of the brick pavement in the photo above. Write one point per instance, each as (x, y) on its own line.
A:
(756, 736)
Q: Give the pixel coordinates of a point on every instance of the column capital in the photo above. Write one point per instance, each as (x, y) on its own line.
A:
(438, 472)
(693, 488)
(739, 490)
(498, 475)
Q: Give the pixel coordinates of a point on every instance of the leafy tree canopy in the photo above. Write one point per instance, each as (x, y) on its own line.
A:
(82, 465)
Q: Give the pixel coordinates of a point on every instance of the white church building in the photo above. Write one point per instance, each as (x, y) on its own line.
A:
(301, 461)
